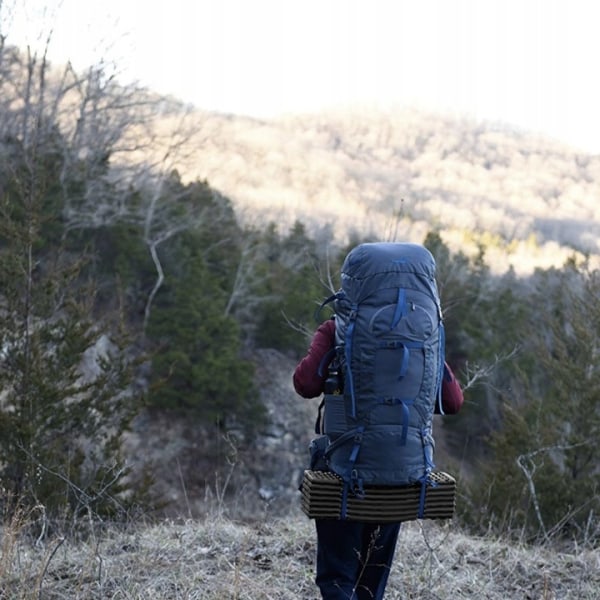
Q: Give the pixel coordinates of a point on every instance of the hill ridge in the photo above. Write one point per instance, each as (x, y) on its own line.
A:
(532, 200)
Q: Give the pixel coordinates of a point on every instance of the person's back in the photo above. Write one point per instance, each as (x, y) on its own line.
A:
(387, 339)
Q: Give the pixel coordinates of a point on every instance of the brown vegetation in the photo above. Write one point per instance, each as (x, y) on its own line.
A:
(530, 200)
(216, 558)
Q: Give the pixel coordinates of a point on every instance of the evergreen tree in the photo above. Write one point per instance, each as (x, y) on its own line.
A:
(197, 366)
(63, 374)
(545, 472)
(298, 280)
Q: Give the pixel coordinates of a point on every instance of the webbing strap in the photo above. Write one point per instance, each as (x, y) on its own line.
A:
(405, 404)
(426, 479)
(400, 308)
(358, 491)
(324, 362)
(356, 447)
(342, 439)
(319, 417)
(422, 497)
(406, 346)
(344, 507)
(348, 353)
(442, 342)
(405, 420)
(352, 478)
(404, 361)
(355, 480)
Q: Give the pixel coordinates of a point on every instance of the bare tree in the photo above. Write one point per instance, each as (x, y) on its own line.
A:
(73, 146)
(114, 138)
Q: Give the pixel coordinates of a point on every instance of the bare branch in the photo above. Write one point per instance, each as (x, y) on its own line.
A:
(529, 468)
(247, 277)
(299, 327)
(478, 374)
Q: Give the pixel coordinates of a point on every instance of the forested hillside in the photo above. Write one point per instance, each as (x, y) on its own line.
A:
(530, 200)
(159, 271)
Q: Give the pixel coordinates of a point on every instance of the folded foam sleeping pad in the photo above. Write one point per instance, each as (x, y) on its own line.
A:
(322, 497)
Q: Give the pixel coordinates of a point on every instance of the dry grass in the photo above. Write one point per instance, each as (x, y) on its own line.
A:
(219, 559)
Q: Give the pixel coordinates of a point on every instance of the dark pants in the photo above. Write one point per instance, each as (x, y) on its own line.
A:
(354, 559)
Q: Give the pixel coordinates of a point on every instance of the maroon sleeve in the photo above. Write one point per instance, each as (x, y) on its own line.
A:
(307, 381)
(452, 395)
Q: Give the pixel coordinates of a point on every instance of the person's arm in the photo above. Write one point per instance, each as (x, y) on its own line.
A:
(307, 380)
(452, 395)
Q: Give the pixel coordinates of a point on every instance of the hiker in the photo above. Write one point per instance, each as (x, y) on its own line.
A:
(354, 558)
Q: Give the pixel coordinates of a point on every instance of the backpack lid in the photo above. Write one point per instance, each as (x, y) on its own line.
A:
(382, 261)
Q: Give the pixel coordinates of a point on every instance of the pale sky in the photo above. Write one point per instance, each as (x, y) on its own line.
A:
(525, 63)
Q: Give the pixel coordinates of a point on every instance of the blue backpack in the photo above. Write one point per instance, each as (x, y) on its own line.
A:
(385, 377)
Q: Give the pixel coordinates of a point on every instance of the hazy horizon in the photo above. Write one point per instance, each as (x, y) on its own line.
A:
(528, 65)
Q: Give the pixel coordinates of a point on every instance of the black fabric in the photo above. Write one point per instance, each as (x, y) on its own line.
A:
(354, 559)
(317, 453)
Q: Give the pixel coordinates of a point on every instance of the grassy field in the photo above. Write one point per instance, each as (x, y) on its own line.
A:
(217, 559)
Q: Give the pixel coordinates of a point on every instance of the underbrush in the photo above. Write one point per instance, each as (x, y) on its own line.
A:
(216, 558)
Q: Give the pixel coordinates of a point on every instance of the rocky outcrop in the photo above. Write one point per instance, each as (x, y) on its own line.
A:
(196, 470)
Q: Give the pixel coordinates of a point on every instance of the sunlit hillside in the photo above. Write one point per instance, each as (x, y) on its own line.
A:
(531, 201)
(201, 501)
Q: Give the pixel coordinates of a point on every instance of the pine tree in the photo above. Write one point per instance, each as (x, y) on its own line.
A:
(197, 365)
(297, 282)
(547, 453)
(63, 373)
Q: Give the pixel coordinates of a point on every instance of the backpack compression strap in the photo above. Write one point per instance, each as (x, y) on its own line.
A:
(400, 308)
(426, 479)
(352, 483)
(442, 343)
(348, 347)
